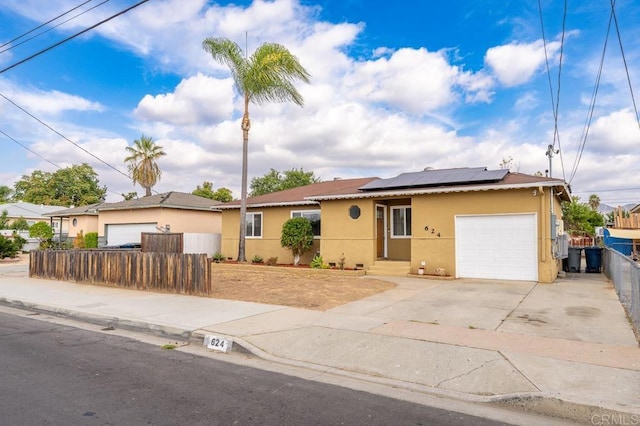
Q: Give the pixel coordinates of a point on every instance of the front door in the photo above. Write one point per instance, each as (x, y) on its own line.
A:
(380, 231)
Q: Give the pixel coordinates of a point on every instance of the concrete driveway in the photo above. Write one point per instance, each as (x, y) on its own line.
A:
(582, 307)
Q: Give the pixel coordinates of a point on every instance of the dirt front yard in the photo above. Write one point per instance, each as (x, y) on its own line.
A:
(296, 287)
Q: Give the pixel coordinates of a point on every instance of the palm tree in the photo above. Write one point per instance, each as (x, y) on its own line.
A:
(267, 76)
(594, 202)
(142, 162)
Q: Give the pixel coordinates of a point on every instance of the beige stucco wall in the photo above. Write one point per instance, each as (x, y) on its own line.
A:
(269, 244)
(84, 223)
(355, 239)
(180, 220)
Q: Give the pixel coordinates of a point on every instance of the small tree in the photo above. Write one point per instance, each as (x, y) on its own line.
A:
(78, 241)
(20, 224)
(297, 236)
(4, 220)
(43, 232)
(8, 248)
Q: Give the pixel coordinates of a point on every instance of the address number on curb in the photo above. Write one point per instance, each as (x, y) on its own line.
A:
(218, 343)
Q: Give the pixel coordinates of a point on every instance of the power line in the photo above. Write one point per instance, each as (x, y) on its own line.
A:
(30, 150)
(72, 37)
(42, 25)
(592, 104)
(64, 137)
(624, 60)
(52, 28)
(555, 102)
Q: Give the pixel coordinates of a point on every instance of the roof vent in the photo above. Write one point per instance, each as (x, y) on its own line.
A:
(426, 169)
(337, 178)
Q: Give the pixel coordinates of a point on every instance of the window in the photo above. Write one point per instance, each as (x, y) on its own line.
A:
(313, 216)
(401, 222)
(254, 225)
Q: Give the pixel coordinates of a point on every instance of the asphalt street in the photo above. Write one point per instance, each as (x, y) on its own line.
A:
(58, 374)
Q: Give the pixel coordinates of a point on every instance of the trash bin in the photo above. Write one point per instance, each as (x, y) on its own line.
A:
(593, 256)
(575, 259)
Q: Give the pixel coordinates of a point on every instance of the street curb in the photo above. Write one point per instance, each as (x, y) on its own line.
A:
(174, 333)
(538, 403)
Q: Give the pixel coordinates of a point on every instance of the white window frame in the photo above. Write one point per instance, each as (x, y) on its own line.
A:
(302, 212)
(393, 210)
(253, 214)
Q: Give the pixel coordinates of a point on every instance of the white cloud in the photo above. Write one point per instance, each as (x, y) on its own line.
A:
(197, 99)
(516, 63)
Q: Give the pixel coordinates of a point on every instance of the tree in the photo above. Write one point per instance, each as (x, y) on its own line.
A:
(5, 194)
(274, 181)
(4, 219)
(206, 191)
(77, 185)
(297, 236)
(267, 76)
(594, 202)
(8, 248)
(43, 232)
(142, 162)
(580, 218)
(20, 224)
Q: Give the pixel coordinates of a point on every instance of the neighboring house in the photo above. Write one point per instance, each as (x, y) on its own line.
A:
(33, 213)
(467, 222)
(83, 218)
(123, 222)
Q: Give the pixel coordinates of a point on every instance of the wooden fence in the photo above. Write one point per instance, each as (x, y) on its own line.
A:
(162, 243)
(177, 273)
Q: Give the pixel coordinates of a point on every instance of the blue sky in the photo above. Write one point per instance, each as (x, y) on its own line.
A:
(396, 87)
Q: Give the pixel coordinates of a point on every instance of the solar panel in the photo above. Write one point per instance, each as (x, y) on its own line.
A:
(442, 177)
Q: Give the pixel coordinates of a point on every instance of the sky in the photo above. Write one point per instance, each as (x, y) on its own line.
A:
(395, 87)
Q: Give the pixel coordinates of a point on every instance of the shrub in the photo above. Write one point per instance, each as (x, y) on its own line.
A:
(91, 240)
(318, 263)
(20, 224)
(272, 261)
(297, 236)
(218, 257)
(8, 248)
(78, 241)
(43, 232)
(257, 259)
(18, 241)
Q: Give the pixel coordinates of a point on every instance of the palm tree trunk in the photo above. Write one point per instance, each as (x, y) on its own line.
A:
(147, 191)
(246, 125)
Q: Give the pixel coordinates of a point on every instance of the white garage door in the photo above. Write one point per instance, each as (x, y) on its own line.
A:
(124, 233)
(497, 247)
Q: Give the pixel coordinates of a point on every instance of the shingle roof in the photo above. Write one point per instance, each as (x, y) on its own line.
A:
(297, 196)
(172, 200)
(28, 210)
(91, 209)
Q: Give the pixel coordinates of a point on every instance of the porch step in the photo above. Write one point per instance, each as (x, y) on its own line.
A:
(394, 268)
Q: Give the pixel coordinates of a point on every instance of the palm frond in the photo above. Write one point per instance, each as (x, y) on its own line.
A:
(230, 54)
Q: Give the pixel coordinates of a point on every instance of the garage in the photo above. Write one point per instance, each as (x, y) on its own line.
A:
(123, 233)
(497, 247)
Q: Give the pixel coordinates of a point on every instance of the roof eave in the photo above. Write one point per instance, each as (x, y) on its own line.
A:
(564, 191)
(276, 204)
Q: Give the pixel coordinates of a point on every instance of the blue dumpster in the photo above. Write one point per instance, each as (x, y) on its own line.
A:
(593, 256)
(575, 259)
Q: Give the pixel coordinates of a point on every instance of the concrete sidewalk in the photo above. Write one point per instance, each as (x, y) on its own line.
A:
(564, 349)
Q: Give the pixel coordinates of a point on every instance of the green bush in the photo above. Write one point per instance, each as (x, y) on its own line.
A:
(257, 259)
(318, 263)
(43, 232)
(8, 248)
(218, 257)
(20, 224)
(91, 240)
(18, 241)
(297, 236)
